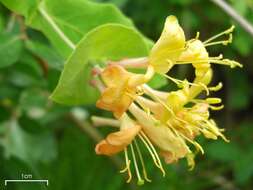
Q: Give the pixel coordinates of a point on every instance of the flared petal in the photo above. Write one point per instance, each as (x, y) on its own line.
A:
(116, 99)
(168, 47)
(195, 51)
(123, 137)
(115, 75)
(117, 141)
(104, 148)
(168, 157)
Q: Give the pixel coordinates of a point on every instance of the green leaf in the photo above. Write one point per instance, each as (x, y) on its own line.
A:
(108, 42)
(25, 8)
(10, 49)
(46, 53)
(28, 148)
(65, 22)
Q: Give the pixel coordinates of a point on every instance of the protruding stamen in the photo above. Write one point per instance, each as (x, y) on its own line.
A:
(228, 31)
(192, 40)
(223, 42)
(183, 83)
(178, 82)
(204, 87)
(102, 121)
(140, 180)
(153, 156)
(192, 61)
(197, 145)
(149, 150)
(213, 100)
(217, 57)
(142, 161)
(127, 168)
(154, 151)
(211, 126)
(216, 108)
(190, 161)
(208, 101)
(228, 62)
(181, 126)
(216, 88)
(197, 35)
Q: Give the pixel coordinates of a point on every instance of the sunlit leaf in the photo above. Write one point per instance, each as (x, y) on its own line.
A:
(100, 44)
(65, 22)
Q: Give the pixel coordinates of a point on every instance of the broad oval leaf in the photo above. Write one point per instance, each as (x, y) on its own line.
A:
(65, 22)
(107, 42)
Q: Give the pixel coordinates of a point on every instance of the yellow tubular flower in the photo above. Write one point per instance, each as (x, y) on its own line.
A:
(168, 121)
(196, 54)
(172, 146)
(118, 141)
(190, 121)
(169, 46)
(172, 49)
(124, 140)
(121, 88)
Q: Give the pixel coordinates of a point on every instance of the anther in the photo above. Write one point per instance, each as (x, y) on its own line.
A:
(142, 162)
(216, 88)
(140, 180)
(127, 168)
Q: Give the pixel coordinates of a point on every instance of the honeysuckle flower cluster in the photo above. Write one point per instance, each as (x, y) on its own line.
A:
(166, 123)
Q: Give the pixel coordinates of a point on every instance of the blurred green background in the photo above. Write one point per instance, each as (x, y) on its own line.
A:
(51, 142)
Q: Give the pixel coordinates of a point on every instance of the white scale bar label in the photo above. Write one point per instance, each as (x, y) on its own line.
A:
(25, 181)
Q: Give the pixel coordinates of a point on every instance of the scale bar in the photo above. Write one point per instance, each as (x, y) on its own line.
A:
(25, 181)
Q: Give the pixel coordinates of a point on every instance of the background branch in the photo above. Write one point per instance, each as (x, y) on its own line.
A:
(232, 13)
